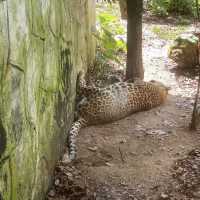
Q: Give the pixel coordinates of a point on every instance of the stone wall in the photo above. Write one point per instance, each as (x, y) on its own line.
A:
(43, 45)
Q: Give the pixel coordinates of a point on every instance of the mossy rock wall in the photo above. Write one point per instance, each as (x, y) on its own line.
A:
(43, 45)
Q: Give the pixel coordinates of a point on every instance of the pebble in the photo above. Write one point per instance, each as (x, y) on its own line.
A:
(123, 141)
(164, 196)
(51, 193)
(57, 182)
(69, 174)
(109, 164)
(95, 148)
(66, 159)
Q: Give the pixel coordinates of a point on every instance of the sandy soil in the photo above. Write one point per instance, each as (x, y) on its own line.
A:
(148, 155)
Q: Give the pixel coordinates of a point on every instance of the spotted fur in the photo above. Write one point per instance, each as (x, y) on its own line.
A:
(103, 105)
(85, 90)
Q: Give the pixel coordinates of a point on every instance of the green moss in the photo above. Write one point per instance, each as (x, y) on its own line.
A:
(37, 88)
(168, 33)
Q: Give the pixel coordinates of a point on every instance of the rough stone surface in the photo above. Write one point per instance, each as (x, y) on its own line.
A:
(43, 45)
(184, 51)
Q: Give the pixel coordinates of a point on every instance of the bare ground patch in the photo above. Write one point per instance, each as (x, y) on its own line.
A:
(147, 156)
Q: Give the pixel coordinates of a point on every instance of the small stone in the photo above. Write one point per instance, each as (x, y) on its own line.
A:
(133, 154)
(164, 196)
(183, 116)
(140, 128)
(123, 141)
(131, 196)
(51, 193)
(182, 147)
(177, 154)
(179, 170)
(69, 174)
(57, 182)
(123, 183)
(156, 132)
(170, 149)
(66, 159)
(109, 164)
(172, 132)
(93, 148)
(157, 113)
(195, 166)
(69, 169)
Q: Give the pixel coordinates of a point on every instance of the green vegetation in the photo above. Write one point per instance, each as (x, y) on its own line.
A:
(110, 32)
(178, 7)
(158, 7)
(166, 33)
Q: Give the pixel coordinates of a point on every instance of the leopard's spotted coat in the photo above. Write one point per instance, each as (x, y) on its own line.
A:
(114, 102)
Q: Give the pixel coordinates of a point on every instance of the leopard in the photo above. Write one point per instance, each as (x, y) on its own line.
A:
(112, 103)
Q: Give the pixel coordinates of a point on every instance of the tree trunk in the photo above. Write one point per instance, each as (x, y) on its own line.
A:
(134, 67)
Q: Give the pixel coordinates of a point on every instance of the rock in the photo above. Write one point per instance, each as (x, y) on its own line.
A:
(66, 158)
(93, 149)
(57, 182)
(156, 132)
(184, 51)
(180, 170)
(122, 141)
(51, 193)
(109, 164)
(139, 128)
(164, 196)
(68, 174)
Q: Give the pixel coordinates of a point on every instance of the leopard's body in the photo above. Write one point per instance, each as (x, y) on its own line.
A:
(103, 105)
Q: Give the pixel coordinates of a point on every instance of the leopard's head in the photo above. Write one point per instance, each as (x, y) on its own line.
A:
(163, 89)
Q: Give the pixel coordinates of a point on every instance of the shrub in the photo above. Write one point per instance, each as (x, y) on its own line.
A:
(183, 7)
(179, 7)
(110, 32)
(159, 7)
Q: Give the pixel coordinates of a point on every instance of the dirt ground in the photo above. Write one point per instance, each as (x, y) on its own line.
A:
(149, 155)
